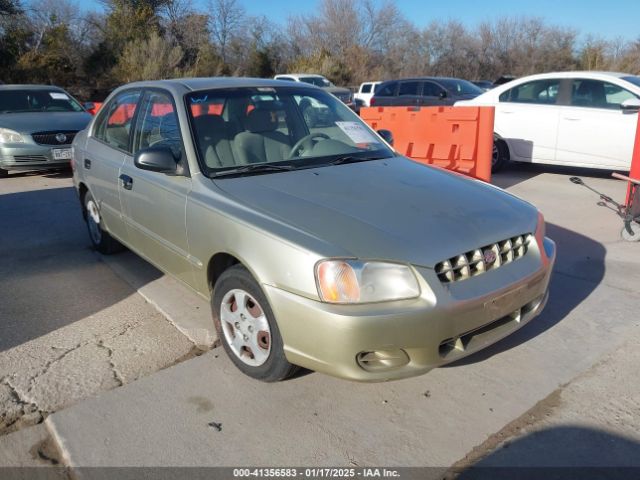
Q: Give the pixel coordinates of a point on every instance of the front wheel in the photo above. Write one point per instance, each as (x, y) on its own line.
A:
(500, 155)
(100, 238)
(247, 328)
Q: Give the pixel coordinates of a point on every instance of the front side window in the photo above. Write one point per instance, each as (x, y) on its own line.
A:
(599, 94)
(430, 89)
(460, 87)
(37, 100)
(113, 125)
(157, 124)
(281, 127)
(408, 88)
(542, 92)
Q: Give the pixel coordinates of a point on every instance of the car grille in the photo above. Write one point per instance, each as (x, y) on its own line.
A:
(29, 158)
(483, 259)
(49, 138)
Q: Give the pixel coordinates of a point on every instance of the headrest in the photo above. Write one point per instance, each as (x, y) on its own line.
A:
(262, 120)
(208, 125)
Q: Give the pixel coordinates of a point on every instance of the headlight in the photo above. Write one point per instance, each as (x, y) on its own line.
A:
(357, 281)
(10, 136)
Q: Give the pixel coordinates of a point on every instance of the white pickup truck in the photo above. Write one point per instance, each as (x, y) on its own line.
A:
(365, 92)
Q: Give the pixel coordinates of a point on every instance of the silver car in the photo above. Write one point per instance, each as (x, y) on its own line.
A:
(317, 245)
(37, 126)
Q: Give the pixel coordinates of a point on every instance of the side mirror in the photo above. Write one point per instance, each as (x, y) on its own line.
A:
(387, 136)
(89, 107)
(630, 105)
(156, 159)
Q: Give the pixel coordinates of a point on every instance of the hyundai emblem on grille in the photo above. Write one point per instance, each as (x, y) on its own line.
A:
(61, 137)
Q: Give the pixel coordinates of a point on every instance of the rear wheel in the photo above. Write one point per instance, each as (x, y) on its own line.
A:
(247, 328)
(500, 155)
(100, 239)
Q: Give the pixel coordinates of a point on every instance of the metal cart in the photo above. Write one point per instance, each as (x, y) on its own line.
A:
(629, 212)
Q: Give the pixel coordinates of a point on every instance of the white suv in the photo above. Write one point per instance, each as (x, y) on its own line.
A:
(582, 119)
(365, 92)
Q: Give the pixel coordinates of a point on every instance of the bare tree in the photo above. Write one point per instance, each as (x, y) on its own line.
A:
(225, 19)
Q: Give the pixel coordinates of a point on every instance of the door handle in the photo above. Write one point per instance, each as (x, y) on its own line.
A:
(572, 119)
(127, 181)
(87, 164)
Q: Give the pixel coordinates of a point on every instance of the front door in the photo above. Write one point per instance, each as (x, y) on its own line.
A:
(154, 203)
(594, 130)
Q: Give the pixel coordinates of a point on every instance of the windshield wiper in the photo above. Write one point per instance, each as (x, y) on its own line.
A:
(353, 159)
(255, 168)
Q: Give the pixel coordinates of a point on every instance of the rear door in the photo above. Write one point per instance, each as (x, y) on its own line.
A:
(594, 131)
(154, 203)
(103, 157)
(527, 117)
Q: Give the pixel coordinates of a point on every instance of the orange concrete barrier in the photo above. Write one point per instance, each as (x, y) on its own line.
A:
(455, 138)
(96, 107)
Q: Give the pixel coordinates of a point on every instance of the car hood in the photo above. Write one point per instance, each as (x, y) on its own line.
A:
(30, 122)
(393, 209)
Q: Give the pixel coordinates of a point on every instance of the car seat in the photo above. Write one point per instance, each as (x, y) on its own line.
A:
(261, 143)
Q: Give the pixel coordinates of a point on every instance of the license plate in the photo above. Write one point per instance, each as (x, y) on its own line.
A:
(507, 303)
(61, 153)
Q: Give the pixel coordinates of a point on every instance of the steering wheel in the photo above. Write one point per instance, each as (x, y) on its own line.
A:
(306, 142)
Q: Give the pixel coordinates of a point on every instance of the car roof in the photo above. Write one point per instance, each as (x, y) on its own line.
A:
(29, 87)
(423, 78)
(178, 85)
(578, 73)
(298, 75)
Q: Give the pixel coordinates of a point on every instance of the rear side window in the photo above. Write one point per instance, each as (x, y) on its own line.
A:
(113, 125)
(387, 90)
(598, 94)
(540, 92)
(408, 88)
(366, 88)
(157, 124)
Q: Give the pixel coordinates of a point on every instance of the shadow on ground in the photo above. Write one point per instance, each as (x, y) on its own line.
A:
(518, 172)
(564, 452)
(49, 275)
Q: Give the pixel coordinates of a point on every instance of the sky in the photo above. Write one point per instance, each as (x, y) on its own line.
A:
(609, 19)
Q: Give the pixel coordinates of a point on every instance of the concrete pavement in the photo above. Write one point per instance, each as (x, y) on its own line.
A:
(434, 420)
(69, 326)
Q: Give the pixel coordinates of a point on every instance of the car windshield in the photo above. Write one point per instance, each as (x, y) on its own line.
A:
(317, 81)
(460, 87)
(632, 79)
(45, 100)
(277, 127)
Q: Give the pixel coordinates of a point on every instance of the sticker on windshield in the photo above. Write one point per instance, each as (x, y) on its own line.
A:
(356, 132)
(59, 96)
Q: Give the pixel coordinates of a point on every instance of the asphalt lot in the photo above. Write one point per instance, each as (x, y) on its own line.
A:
(544, 385)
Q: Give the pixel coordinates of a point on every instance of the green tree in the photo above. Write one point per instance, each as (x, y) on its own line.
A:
(151, 59)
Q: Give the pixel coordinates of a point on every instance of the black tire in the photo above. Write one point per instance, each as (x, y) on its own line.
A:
(634, 235)
(500, 155)
(275, 367)
(100, 238)
(4, 173)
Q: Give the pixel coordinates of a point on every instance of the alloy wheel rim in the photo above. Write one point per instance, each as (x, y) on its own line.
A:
(245, 327)
(93, 221)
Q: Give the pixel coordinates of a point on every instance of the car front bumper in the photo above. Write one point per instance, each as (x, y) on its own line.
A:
(31, 157)
(393, 340)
